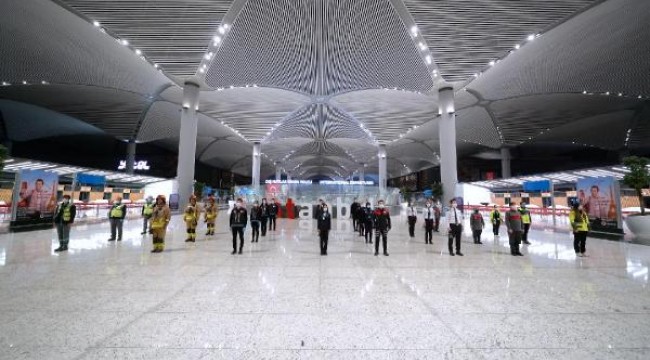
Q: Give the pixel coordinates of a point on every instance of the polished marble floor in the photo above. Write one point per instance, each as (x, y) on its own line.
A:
(282, 300)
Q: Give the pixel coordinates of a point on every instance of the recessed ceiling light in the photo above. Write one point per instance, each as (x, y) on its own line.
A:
(138, 52)
(530, 37)
(492, 63)
(222, 30)
(124, 42)
(517, 46)
(96, 23)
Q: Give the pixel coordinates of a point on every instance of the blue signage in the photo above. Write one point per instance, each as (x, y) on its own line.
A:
(537, 186)
(87, 179)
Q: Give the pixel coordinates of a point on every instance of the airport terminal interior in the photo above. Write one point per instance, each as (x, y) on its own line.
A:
(324, 179)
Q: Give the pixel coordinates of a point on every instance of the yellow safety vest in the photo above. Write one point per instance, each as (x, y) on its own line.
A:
(67, 213)
(117, 211)
(579, 221)
(148, 210)
(495, 215)
(190, 217)
(525, 217)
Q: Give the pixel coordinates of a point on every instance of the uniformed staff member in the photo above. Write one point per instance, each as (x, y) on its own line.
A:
(368, 222)
(455, 221)
(256, 216)
(354, 208)
(210, 216)
(197, 207)
(580, 225)
(147, 211)
(476, 223)
(63, 218)
(429, 215)
(264, 209)
(238, 222)
(381, 217)
(116, 217)
(324, 226)
(526, 220)
(190, 223)
(495, 219)
(437, 208)
(411, 218)
(159, 221)
(273, 214)
(515, 229)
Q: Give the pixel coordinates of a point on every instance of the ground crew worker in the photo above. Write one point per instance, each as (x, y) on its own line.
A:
(515, 229)
(368, 222)
(256, 216)
(147, 211)
(238, 221)
(580, 225)
(476, 223)
(211, 213)
(116, 216)
(64, 216)
(324, 226)
(159, 221)
(429, 215)
(526, 220)
(495, 219)
(455, 221)
(412, 218)
(190, 223)
(381, 217)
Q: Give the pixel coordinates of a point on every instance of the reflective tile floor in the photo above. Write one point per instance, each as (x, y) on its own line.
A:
(282, 300)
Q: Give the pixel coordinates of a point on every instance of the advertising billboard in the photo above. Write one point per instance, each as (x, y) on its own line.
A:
(36, 192)
(601, 198)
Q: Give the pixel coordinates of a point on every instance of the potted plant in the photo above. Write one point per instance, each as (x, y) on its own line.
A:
(637, 179)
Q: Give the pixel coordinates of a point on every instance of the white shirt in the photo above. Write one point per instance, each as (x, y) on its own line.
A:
(429, 213)
(410, 211)
(451, 218)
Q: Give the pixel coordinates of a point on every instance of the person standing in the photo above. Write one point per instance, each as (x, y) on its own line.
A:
(238, 222)
(368, 222)
(515, 228)
(324, 226)
(580, 225)
(210, 217)
(264, 211)
(147, 211)
(354, 209)
(64, 216)
(273, 214)
(116, 217)
(256, 215)
(455, 220)
(411, 218)
(477, 224)
(381, 217)
(159, 221)
(196, 206)
(526, 220)
(190, 223)
(429, 215)
(437, 212)
(495, 219)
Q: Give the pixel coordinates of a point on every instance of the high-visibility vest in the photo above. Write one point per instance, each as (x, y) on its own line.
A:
(117, 211)
(495, 215)
(579, 221)
(525, 216)
(148, 210)
(190, 217)
(67, 213)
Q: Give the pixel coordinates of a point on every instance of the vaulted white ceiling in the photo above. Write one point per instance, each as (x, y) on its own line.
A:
(321, 83)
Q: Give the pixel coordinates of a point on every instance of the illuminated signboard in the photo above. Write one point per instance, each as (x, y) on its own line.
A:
(138, 165)
(288, 181)
(343, 182)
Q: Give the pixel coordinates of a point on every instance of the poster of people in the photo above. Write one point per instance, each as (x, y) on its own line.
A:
(36, 196)
(600, 198)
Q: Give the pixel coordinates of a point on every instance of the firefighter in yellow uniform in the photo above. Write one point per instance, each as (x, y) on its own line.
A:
(159, 220)
(211, 212)
(191, 220)
(580, 225)
(526, 220)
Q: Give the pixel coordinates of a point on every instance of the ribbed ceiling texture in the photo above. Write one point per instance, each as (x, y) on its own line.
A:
(322, 83)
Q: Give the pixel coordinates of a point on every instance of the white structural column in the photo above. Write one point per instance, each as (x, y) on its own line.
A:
(130, 156)
(257, 154)
(447, 134)
(362, 174)
(506, 172)
(278, 173)
(187, 143)
(382, 169)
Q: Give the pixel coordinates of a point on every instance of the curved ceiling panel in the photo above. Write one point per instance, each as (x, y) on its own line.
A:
(466, 35)
(475, 125)
(173, 34)
(65, 49)
(162, 121)
(597, 51)
(116, 112)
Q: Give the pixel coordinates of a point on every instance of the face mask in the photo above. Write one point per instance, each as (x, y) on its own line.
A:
(65, 201)
(428, 205)
(454, 205)
(239, 204)
(381, 206)
(324, 209)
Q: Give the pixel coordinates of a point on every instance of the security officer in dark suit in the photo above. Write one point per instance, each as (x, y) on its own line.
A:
(382, 226)
(324, 226)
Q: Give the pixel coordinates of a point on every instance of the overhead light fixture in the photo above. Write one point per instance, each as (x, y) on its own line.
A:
(208, 56)
(24, 82)
(492, 63)
(96, 23)
(428, 59)
(4, 83)
(222, 30)
(226, 26)
(584, 92)
(124, 42)
(155, 65)
(517, 47)
(620, 94)
(530, 37)
(422, 46)
(216, 39)
(414, 30)
(138, 52)
(607, 93)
